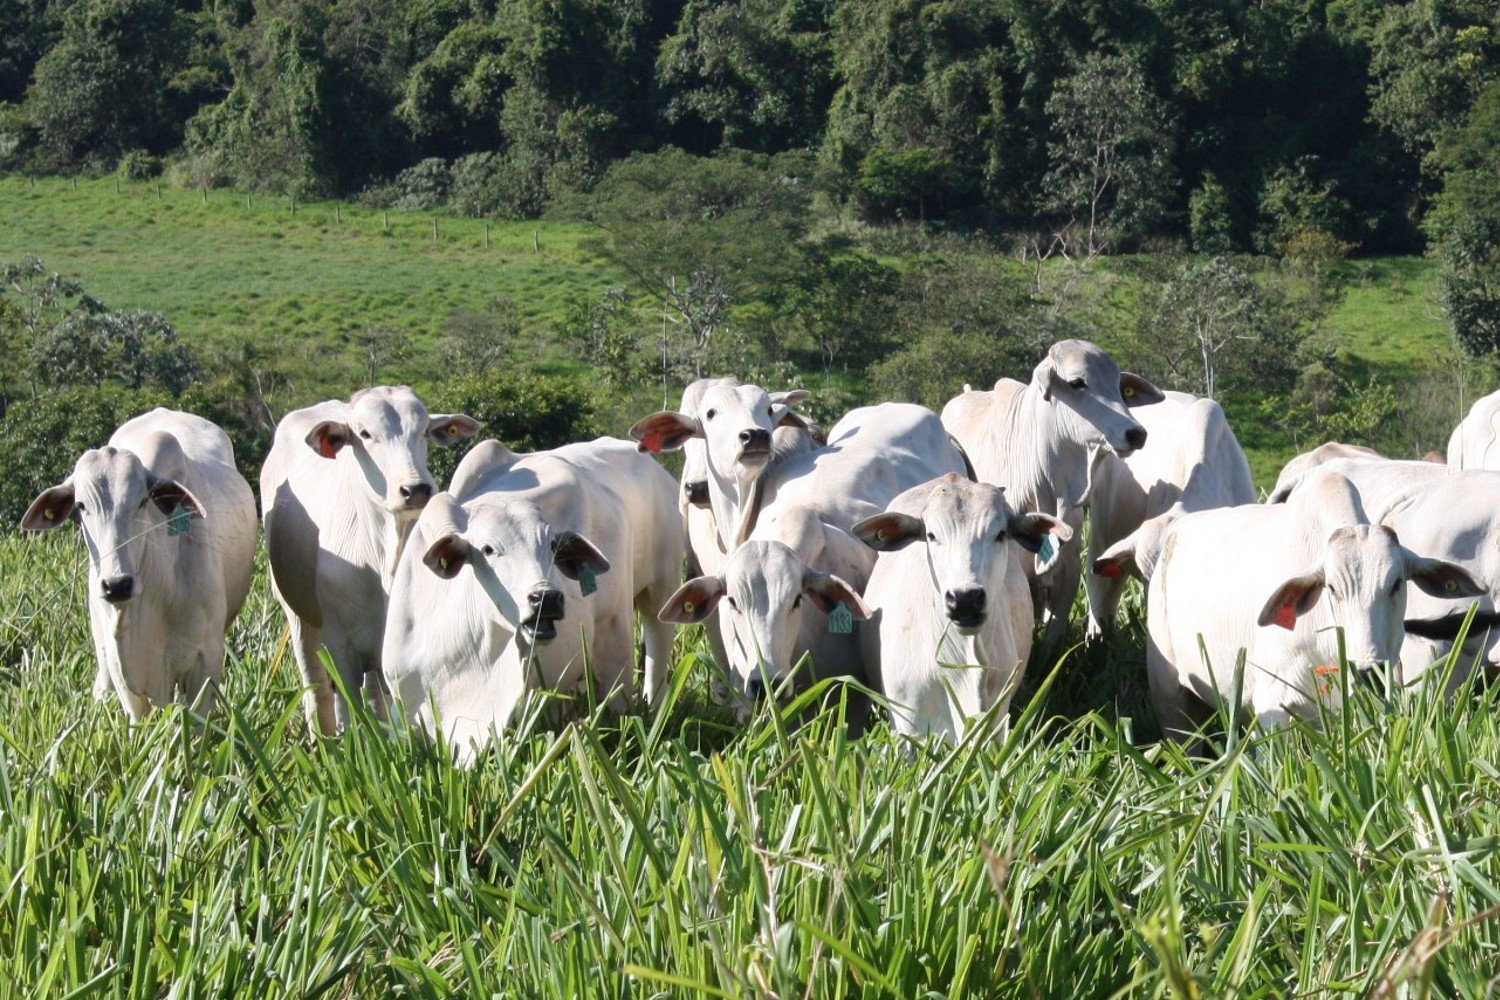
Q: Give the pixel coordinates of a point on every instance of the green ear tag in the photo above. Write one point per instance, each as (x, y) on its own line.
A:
(180, 522)
(841, 620)
(587, 582)
(1048, 549)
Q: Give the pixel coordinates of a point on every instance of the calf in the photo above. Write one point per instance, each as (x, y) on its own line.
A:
(169, 524)
(801, 546)
(340, 488)
(1272, 581)
(952, 623)
(527, 577)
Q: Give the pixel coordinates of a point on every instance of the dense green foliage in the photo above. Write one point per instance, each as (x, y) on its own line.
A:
(676, 853)
(1132, 119)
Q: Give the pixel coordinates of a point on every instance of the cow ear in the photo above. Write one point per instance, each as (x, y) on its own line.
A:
(889, 532)
(447, 556)
(1043, 376)
(50, 509)
(328, 437)
(666, 430)
(1292, 600)
(828, 592)
(1442, 579)
(444, 429)
(571, 552)
(1136, 391)
(693, 602)
(1042, 535)
(791, 397)
(169, 494)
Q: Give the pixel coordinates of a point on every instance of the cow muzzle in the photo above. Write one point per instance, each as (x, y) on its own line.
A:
(414, 496)
(117, 589)
(1135, 440)
(966, 607)
(755, 446)
(545, 605)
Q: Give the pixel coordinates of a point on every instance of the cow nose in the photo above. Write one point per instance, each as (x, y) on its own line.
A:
(117, 589)
(417, 493)
(966, 607)
(1136, 438)
(755, 688)
(546, 603)
(755, 437)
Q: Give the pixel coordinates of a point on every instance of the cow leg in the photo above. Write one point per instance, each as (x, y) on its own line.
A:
(317, 692)
(657, 639)
(199, 687)
(1178, 711)
(377, 694)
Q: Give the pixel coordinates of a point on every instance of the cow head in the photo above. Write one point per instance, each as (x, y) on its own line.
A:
(119, 503)
(968, 529)
(1092, 397)
(735, 423)
(1363, 572)
(763, 596)
(515, 556)
(387, 430)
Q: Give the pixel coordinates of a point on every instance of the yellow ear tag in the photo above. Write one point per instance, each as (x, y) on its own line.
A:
(443, 562)
(1451, 586)
(687, 606)
(453, 430)
(51, 515)
(1128, 391)
(879, 535)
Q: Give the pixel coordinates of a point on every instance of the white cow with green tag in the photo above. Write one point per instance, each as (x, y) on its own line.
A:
(952, 624)
(793, 588)
(170, 528)
(527, 576)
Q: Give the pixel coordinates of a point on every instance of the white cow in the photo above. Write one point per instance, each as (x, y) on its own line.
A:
(1272, 581)
(1194, 463)
(1035, 439)
(170, 528)
(802, 546)
(793, 436)
(1475, 443)
(735, 423)
(527, 577)
(1450, 514)
(953, 617)
(1331, 451)
(340, 488)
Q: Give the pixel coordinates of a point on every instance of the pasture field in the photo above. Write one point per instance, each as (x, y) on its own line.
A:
(676, 853)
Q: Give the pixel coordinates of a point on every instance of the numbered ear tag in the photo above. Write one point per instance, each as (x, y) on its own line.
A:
(179, 522)
(841, 620)
(1048, 549)
(587, 582)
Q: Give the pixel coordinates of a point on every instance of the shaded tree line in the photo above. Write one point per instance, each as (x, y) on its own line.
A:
(1099, 124)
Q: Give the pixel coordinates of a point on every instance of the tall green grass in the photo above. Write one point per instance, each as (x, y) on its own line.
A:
(675, 854)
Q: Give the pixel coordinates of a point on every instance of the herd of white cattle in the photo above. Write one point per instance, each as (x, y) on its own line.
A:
(914, 552)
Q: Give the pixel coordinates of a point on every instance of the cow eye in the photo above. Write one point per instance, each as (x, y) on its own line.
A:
(365, 435)
(488, 550)
(931, 537)
(1000, 537)
(710, 414)
(1078, 383)
(732, 605)
(1395, 588)
(796, 602)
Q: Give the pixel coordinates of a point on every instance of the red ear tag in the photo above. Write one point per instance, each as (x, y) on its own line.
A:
(1286, 617)
(1109, 569)
(325, 447)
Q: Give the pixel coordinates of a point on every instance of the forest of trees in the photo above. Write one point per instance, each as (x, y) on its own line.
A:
(1109, 124)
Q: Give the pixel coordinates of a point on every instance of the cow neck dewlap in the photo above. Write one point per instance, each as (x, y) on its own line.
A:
(1039, 469)
(735, 505)
(370, 532)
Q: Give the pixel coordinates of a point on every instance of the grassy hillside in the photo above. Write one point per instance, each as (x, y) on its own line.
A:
(312, 283)
(233, 267)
